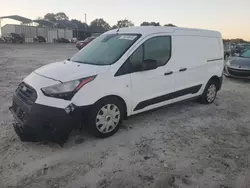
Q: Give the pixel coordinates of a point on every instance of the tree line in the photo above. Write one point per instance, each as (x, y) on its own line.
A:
(98, 24)
(237, 40)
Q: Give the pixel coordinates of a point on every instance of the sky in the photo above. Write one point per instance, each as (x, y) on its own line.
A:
(230, 17)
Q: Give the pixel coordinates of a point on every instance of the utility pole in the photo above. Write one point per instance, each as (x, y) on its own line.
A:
(85, 15)
(0, 27)
(76, 31)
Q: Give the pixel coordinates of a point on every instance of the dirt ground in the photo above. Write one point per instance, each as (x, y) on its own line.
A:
(185, 145)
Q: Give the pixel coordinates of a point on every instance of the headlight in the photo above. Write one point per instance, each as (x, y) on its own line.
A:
(66, 90)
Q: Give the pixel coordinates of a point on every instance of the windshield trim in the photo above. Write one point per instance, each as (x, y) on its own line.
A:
(118, 58)
(83, 62)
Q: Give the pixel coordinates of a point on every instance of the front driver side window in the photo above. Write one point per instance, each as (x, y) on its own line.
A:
(159, 49)
(156, 48)
(136, 59)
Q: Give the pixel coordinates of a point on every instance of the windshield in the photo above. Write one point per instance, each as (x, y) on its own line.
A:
(245, 54)
(106, 49)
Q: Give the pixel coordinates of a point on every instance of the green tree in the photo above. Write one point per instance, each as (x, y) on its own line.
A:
(99, 25)
(170, 25)
(61, 16)
(114, 27)
(58, 16)
(150, 24)
(80, 25)
(50, 17)
(124, 23)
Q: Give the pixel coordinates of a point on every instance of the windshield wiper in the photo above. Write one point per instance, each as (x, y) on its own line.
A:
(83, 62)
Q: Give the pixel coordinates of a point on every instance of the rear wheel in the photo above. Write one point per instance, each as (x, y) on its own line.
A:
(210, 92)
(105, 117)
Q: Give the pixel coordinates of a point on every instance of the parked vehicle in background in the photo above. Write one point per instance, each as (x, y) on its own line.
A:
(38, 39)
(246, 46)
(227, 52)
(14, 38)
(63, 40)
(237, 50)
(119, 74)
(226, 55)
(238, 67)
(81, 44)
(1, 40)
(74, 40)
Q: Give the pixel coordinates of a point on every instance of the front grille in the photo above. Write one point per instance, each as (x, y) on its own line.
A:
(26, 93)
(238, 72)
(21, 115)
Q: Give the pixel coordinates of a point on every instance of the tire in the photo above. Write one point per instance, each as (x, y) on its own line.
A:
(105, 117)
(209, 93)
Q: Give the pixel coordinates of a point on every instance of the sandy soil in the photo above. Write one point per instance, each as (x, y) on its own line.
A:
(186, 145)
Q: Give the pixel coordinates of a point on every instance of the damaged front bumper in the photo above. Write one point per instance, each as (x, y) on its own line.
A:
(36, 122)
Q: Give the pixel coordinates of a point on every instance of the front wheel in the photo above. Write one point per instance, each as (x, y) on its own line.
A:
(105, 117)
(209, 93)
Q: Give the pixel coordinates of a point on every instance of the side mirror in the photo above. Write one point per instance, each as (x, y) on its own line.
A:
(149, 64)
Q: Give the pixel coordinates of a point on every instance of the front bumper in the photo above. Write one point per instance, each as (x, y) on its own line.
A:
(36, 122)
(236, 73)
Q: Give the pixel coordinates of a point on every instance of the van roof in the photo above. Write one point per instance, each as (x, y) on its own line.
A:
(148, 30)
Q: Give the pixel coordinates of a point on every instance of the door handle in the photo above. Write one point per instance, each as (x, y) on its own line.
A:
(183, 69)
(168, 73)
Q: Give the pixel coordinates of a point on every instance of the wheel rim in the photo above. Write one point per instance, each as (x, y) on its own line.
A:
(108, 118)
(211, 93)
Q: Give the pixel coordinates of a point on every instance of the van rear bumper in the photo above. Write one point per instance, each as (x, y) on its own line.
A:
(38, 122)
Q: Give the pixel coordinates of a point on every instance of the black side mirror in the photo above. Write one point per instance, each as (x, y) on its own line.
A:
(149, 64)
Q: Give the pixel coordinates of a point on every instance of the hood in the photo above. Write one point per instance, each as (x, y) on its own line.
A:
(240, 62)
(68, 70)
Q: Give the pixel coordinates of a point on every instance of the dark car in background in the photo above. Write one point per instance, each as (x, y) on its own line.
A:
(81, 44)
(1, 40)
(238, 66)
(39, 39)
(62, 40)
(14, 38)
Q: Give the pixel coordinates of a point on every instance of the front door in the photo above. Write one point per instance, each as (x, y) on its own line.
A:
(150, 89)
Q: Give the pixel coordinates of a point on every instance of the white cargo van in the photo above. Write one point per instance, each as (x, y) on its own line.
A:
(121, 73)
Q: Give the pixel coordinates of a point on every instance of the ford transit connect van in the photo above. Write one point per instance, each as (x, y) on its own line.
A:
(121, 73)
